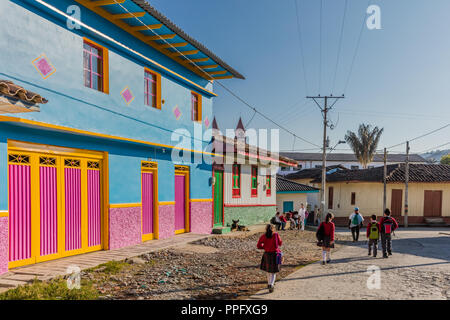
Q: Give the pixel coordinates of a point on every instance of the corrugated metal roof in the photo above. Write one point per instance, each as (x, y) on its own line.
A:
(284, 185)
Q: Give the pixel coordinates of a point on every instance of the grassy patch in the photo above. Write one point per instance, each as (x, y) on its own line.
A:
(111, 267)
(55, 289)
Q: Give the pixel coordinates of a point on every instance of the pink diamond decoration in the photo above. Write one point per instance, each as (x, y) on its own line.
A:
(207, 122)
(177, 112)
(127, 95)
(43, 66)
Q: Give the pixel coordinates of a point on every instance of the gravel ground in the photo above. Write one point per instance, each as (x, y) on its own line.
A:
(213, 268)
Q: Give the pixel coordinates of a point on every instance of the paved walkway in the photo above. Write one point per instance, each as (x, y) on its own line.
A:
(419, 269)
(51, 269)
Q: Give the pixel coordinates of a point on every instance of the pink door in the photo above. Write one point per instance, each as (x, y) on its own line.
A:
(19, 212)
(147, 202)
(180, 202)
(72, 181)
(94, 208)
(49, 210)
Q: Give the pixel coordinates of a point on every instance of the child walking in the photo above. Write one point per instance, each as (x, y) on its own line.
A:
(387, 226)
(373, 234)
(270, 242)
(325, 234)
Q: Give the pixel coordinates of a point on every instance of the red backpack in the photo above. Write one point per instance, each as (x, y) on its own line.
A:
(388, 225)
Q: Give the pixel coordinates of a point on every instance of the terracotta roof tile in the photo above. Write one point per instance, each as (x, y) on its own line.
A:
(9, 89)
(287, 185)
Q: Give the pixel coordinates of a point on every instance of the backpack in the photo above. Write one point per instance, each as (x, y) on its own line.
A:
(273, 220)
(373, 231)
(388, 225)
(320, 234)
(355, 220)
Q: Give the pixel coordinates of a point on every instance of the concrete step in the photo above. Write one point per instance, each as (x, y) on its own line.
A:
(221, 230)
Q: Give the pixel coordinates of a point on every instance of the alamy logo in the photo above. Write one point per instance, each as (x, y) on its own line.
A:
(374, 20)
(75, 12)
(374, 280)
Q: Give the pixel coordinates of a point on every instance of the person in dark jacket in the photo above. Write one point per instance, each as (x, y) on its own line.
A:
(270, 242)
(326, 231)
(387, 226)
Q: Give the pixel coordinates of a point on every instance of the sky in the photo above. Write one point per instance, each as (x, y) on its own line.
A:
(399, 80)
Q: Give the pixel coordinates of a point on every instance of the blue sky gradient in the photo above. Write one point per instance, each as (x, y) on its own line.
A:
(399, 81)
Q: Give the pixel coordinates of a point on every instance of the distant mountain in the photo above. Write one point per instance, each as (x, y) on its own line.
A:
(435, 156)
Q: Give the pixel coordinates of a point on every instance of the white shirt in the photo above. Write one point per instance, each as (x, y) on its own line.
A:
(302, 213)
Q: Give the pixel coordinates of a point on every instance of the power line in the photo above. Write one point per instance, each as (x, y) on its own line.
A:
(300, 41)
(421, 136)
(340, 45)
(218, 82)
(440, 146)
(356, 50)
(320, 48)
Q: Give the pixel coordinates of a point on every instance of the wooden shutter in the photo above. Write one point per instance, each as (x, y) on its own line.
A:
(432, 203)
(396, 202)
(330, 198)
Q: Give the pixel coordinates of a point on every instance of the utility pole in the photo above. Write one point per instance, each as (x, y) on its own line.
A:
(384, 179)
(324, 111)
(406, 184)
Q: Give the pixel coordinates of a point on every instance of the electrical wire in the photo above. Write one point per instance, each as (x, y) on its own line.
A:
(218, 82)
(440, 146)
(356, 49)
(320, 48)
(340, 44)
(300, 41)
(421, 136)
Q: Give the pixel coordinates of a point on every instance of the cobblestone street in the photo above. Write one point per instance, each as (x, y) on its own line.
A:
(419, 269)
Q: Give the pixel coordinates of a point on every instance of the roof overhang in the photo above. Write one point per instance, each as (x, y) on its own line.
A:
(145, 23)
(8, 105)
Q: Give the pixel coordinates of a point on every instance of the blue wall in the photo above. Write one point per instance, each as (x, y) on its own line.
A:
(28, 31)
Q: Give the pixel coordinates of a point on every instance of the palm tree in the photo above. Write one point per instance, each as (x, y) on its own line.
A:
(364, 144)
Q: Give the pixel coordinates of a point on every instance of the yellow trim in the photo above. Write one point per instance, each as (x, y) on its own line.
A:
(106, 2)
(217, 72)
(223, 77)
(200, 106)
(89, 133)
(83, 157)
(105, 62)
(171, 45)
(210, 66)
(147, 39)
(180, 231)
(197, 60)
(154, 171)
(201, 200)
(146, 27)
(4, 214)
(184, 53)
(125, 205)
(166, 203)
(158, 87)
(129, 15)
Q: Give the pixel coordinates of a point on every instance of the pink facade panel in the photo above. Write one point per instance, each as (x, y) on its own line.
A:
(72, 178)
(147, 202)
(94, 208)
(124, 227)
(166, 214)
(19, 212)
(180, 202)
(49, 211)
(201, 217)
(3, 244)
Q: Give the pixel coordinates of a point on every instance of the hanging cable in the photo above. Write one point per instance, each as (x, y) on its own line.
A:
(300, 41)
(320, 46)
(421, 136)
(340, 45)
(218, 82)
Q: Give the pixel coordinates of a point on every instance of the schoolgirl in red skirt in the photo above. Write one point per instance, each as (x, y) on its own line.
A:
(271, 259)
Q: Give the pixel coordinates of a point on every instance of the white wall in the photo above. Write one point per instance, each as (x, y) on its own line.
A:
(246, 197)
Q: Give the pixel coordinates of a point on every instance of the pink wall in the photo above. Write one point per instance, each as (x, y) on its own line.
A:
(166, 221)
(124, 227)
(201, 217)
(3, 244)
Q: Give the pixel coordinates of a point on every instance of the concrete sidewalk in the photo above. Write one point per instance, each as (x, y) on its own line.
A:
(419, 269)
(51, 269)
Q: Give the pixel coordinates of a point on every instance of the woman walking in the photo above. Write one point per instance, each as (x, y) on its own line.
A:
(325, 235)
(271, 259)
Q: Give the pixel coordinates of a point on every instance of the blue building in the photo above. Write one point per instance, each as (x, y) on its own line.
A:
(96, 99)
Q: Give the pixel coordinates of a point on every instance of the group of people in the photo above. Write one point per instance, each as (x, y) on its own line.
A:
(296, 219)
(271, 241)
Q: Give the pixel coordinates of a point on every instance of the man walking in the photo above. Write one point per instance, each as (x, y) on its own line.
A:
(387, 226)
(355, 222)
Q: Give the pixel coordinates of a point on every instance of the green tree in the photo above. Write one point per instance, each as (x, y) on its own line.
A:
(445, 159)
(364, 143)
